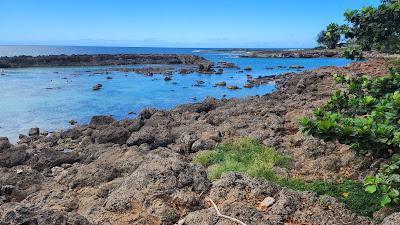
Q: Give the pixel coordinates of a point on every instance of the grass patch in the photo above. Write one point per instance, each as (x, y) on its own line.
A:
(248, 156)
(244, 155)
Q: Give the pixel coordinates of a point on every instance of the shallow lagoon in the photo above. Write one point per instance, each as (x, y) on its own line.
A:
(49, 97)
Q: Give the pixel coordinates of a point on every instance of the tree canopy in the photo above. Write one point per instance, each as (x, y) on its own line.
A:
(371, 28)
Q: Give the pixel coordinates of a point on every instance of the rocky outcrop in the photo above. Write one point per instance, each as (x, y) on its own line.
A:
(240, 197)
(103, 60)
(140, 171)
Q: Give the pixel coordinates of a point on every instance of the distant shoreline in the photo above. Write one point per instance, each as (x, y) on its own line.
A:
(102, 60)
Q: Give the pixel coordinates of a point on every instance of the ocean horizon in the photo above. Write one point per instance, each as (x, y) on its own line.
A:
(36, 50)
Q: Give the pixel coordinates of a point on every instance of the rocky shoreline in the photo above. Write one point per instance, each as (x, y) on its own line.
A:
(103, 60)
(139, 171)
(300, 53)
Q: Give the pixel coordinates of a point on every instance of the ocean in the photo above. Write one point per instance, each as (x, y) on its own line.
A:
(50, 97)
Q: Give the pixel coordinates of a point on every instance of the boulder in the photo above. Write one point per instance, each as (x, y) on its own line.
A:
(161, 179)
(4, 143)
(220, 71)
(153, 137)
(222, 83)
(186, 142)
(296, 67)
(20, 214)
(71, 133)
(248, 85)
(23, 139)
(12, 158)
(147, 113)
(202, 144)
(34, 132)
(185, 71)
(112, 134)
(393, 219)
(47, 159)
(72, 122)
(101, 121)
(97, 87)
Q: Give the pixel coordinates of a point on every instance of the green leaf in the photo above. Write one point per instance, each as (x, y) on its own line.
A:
(385, 200)
(393, 193)
(395, 178)
(370, 189)
(369, 180)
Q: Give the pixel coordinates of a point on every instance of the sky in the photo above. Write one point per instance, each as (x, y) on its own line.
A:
(170, 23)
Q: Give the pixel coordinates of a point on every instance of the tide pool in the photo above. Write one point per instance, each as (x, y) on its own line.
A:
(49, 97)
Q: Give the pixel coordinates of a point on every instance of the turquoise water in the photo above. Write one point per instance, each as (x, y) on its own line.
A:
(49, 97)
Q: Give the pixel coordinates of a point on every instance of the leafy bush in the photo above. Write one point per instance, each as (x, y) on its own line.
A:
(353, 54)
(365, 116)
(386, 182)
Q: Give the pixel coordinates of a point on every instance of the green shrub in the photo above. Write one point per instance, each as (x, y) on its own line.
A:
(365, 116)
(386, 182)
(353, 54)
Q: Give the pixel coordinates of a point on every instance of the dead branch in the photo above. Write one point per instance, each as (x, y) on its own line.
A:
(224, 216)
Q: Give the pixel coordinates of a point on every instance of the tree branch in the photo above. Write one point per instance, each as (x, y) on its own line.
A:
(224, 216)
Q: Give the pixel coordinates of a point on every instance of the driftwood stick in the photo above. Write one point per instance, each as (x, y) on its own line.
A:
(224, 216)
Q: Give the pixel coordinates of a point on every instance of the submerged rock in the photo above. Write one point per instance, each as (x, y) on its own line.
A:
(247, 68)
(222, 83)
(220, 71)
(97, 87)
(233, 87)
(248, 85)
(296, 67)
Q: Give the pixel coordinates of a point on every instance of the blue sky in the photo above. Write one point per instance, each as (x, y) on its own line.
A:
(170, 23)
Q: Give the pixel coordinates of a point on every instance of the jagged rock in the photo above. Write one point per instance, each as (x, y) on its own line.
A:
(112, 134)
(187, 141)
(154, 182)
(73, 133)
(4, 143)
(20, 214)
(50, 158)
(393, 219)
(34, 132)
(101, 121)
(147, 113)
(12, 158)
(201, 144)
